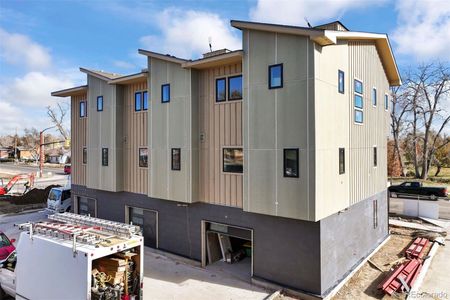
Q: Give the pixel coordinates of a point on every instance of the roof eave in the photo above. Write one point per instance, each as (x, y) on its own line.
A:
(78, 90)
(221, 59)
(89, 72)
(161, 56)
(129, 78)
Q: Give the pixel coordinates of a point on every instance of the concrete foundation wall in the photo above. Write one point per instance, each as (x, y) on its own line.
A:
(286, 251)
(347, 237)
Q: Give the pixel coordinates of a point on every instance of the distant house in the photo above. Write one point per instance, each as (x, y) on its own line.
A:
(26, 154)
(5, 153)
(53, 156)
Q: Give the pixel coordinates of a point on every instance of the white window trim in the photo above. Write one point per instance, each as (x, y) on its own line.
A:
(138, 156)
(221, 160)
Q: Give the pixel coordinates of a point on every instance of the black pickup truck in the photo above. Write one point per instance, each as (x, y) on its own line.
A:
(415, 188)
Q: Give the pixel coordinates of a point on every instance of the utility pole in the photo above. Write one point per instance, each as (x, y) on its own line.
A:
(15, 147)
(41, 150)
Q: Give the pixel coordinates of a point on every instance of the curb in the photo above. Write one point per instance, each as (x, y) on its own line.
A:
(418, 283)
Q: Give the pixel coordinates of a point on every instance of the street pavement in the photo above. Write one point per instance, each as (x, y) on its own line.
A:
(9, 167)
(396, 207)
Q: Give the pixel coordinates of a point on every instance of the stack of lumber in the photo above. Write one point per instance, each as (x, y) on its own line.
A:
(113, 267)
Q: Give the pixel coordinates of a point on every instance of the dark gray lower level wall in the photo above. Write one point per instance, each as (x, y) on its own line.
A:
(348, 237)
(285, 251)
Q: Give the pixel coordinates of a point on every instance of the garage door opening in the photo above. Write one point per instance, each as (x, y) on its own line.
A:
(228, 248)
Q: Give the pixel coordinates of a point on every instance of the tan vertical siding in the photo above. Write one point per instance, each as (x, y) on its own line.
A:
(78, 140)
(365, 179)
(135, 130)
(221, 126)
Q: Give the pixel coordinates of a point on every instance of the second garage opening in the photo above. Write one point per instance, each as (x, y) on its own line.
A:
(229, 248)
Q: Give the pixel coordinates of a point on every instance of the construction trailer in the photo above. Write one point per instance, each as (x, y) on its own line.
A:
(75, 257)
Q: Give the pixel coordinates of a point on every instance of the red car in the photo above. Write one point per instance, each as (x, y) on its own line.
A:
(6, 246)
(67, 169)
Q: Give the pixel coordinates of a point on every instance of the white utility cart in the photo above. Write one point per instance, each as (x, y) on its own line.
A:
(71, 256)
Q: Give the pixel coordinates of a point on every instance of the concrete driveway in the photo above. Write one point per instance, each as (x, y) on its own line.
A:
(167, 277)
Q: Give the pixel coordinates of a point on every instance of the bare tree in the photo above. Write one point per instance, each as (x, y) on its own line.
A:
(401, 107)
(57, 116)
(428, 89)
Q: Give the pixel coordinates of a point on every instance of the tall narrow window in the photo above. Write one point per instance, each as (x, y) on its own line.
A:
(100, 103)
(341, 160)
(276, 76)
(375, 156)
(221, 89)
(374, 97)
(84, 156)
(83, 109)
(386, 102)
(105, 157)
(145, 100)
(176, 159)
(358, 102)
(165, 93)
(375, 213)
(233, 160)
(138, 101)
(143, 157)
(341, 81)
(235, 87)
(290, 162)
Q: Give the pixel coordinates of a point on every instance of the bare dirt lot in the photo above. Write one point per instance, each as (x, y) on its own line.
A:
(363, 285)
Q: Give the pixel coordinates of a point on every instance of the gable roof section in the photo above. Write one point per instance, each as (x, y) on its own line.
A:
(101, 74)
(330, 37)
(220, 59)
(74, 91)
(132, 78)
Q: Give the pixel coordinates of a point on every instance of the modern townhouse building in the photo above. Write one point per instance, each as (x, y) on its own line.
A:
(278, 148)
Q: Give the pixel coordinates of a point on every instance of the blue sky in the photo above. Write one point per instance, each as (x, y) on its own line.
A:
(42, 43)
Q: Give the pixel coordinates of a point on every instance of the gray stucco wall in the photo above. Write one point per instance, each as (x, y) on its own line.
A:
(346, 238)
(286, 251)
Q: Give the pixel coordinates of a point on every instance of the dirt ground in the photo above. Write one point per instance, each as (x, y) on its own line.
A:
(363, 285)
(36, 198)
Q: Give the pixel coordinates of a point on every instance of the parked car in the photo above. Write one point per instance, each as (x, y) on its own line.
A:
(67, 169)
(6, 246)
(416, 188)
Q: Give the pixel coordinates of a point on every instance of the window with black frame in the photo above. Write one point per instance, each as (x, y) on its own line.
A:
(105, 157)
(138, 101)
(375, 158)
(341, 160)
(235, 87)
(143, 157)
(221, 89)
(83, 109)
(290, 163)
(84, 156)
(276, 76)
(145, 100)
(341, 82)
(165, 93)
(233, 160)
(176, 159)
(100, 103)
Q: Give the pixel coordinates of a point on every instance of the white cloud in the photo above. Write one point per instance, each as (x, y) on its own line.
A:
(293, 12)
(14, 117)
(423, 29)
(186, 33)
(33, 89)
(19, 49)
(123, 64)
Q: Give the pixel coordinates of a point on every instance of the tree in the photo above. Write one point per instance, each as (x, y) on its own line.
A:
(57, 116)
(427, 88)
(442, 154)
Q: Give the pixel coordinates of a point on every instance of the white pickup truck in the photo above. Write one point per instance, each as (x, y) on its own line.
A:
(59, 200)
(75, 257)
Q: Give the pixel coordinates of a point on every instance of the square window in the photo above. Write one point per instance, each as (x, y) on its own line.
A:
(176, 159)
(375, 162)
(358, 87)
(290, 163)
(341, 161)
(105, 157)
(374, 97)
(143, 157)
(341, 81)
(165, 93)
(358, 101)
(235, 87)
(145, 100)
(84, 155)
(276, 76)
(358, 116)
(221, 89)
(138, 101)
(82, 109)
(100, 103)
(386, 102)
(233, 160)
